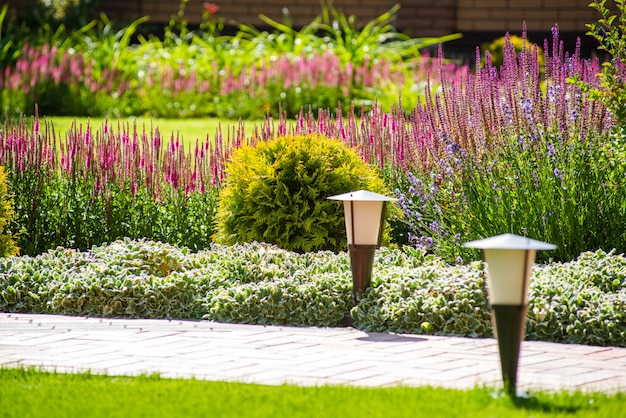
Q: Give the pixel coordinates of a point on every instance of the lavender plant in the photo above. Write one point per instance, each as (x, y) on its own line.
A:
(518, 153)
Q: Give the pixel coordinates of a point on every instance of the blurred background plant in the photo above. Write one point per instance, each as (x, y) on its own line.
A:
(69, 14)
(120, 71)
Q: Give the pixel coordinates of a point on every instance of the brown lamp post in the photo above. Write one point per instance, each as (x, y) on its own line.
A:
(509, 260)
(365, 217)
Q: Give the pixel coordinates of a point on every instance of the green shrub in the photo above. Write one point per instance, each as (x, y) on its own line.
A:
(7, 243)
(276, 192)
(610, 32)
(581, 301)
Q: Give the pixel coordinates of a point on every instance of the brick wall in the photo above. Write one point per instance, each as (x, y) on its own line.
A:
(478, 20)
(416, 17)
(423, 18)
(539, 15)
(244, 11)
(18, 3)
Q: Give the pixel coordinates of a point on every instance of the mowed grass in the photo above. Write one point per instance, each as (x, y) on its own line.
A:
(188, 129)
(32, 393)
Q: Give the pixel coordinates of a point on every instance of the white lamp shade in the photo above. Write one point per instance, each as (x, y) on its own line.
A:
(509, 275)
(364, 216)
(509, 259)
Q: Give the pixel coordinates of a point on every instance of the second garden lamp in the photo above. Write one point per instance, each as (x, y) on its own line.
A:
(509, 260)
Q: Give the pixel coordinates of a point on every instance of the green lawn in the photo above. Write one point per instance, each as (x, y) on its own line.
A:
(29, 393)
(189, 129)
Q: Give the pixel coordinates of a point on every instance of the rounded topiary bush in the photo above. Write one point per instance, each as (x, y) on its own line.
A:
(276, 192)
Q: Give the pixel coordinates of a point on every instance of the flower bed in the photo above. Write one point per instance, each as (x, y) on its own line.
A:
(583, 301)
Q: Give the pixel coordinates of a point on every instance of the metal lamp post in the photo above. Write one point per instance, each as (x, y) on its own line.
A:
(365, 216)
(509, 260)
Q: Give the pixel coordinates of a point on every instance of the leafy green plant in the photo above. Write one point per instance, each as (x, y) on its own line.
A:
(203, 72)
(376, 39)
(11, 37)
(98, 186)
(277, 192)
(610, 32)
(284, 39)
(566, 192)
(581, 301)
(7, 243)
(419, 293)
(70, 14)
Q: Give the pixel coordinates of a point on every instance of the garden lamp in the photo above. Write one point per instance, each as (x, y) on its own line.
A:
(509, 260)
(365, 217)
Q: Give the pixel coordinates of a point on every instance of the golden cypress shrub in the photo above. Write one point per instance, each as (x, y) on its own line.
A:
(7, 244)
(276, 192)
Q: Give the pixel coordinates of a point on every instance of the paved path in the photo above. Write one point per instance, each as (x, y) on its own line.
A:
(296, 355)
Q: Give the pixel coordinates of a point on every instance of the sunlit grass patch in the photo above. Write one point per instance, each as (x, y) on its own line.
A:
(31, 393)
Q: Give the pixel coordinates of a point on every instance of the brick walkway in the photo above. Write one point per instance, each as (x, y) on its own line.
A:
(303, 356)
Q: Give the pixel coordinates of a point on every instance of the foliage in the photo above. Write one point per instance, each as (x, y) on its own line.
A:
(81, 394)
(7, 241)
(497, 122)
(516, 149)
(610, 33)
(11, 37)
(579, 302)
(272, 286)
(419, 293)
(375, 40)
(71, 14)
(277, 192)
(284, 39)
(582, 301)
(97, 186)
(95, 70)
(516, 153)
(154, 280)
(566, 192)
(56, 83)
